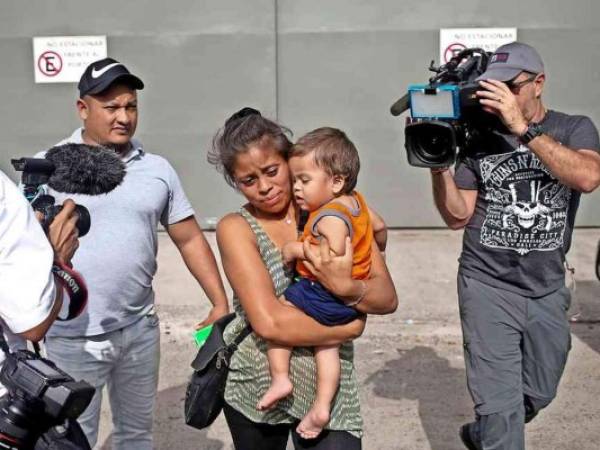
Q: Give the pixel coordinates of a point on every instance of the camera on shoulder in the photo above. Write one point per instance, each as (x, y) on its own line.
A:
(445, 115)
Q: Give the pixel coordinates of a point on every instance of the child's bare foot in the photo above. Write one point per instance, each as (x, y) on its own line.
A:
(280, 388)
(313, 422)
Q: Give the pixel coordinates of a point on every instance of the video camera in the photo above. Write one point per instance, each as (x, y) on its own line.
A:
(36, 173)
(40, 396)
(71, 169)
(445, 114)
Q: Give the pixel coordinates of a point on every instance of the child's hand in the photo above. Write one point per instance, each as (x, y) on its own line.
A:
(288, 253)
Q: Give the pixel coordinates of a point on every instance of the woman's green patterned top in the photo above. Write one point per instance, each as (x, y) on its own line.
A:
(249, 377)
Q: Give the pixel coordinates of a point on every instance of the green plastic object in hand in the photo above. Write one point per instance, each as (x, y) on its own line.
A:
(201, 335)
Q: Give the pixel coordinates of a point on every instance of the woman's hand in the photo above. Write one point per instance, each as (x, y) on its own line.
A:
(376, 295)
(334, 272)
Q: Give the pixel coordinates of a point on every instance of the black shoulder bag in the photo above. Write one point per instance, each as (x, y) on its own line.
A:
(204, 394)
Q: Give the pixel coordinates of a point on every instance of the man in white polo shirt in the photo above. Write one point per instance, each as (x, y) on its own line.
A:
(115, 342)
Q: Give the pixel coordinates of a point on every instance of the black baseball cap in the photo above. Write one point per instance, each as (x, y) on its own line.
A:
(99, 75)
(510, 60)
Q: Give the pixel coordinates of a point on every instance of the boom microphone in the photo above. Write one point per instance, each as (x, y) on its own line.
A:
(71, 169)
(84, 169)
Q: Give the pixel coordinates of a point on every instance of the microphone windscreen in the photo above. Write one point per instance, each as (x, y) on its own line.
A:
(85, 169)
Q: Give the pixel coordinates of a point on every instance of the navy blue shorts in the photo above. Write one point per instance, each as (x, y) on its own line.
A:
(317, 302)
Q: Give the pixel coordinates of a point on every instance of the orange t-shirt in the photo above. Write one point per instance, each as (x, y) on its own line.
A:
(359, 227)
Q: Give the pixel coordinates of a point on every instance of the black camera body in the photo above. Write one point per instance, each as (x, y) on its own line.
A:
(40, 396)
(37, 172)
(445, 115)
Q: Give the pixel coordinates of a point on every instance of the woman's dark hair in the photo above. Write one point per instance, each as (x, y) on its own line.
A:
(243, 129)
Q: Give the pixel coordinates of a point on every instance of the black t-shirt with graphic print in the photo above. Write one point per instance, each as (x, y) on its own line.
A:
(521, 229)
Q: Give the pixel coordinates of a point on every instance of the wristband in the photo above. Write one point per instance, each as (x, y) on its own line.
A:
(361, 296)
(533, 130)
(72, 282)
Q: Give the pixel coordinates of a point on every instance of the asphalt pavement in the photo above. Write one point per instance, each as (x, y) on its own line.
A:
(410, 364)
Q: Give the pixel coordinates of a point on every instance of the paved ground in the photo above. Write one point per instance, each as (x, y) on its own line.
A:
(410, 364)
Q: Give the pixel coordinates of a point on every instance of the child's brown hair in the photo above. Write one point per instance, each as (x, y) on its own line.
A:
(333, 152)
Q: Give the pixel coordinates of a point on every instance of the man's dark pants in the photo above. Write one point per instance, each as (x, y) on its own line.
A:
(515, 349)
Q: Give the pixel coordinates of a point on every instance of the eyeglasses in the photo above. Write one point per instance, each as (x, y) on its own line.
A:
(515, 86)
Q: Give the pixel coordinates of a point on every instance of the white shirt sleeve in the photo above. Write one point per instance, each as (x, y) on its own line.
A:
(27, 289)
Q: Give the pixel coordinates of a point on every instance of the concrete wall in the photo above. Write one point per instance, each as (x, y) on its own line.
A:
(307, 62)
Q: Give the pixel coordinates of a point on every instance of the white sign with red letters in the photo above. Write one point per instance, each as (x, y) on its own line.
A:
(62, 59)
(453, 40)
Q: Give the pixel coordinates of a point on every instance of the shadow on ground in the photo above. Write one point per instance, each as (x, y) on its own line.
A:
(170, 430)
(586, 306)
(443, 404)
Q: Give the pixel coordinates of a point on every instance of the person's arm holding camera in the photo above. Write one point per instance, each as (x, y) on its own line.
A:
(29, 298)
(63, 237)
(574, 163)
(456, 206)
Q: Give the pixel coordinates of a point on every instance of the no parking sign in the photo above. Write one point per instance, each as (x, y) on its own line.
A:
(453, 40)
(62, 59)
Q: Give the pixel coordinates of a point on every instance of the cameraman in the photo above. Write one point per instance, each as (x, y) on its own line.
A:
(516, 196)
(29, 301)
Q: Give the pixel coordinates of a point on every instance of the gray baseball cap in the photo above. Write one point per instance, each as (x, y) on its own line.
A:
(510, 60)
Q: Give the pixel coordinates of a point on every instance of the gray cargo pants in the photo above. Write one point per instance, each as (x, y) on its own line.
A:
(515, 350)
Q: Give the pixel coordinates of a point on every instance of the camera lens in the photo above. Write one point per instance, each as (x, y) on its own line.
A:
(430, 143)
(434, 146)
(83, 223)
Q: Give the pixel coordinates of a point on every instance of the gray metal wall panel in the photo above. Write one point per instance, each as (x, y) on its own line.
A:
(349, 80)
(200, 61)
(340, 62)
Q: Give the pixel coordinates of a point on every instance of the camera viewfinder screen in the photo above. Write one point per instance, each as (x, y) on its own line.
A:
(440, 104)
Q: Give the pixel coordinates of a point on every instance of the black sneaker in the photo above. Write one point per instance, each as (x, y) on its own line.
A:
(465, 437)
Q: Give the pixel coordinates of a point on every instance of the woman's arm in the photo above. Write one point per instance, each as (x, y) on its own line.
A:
(377, 295)
(250, 280)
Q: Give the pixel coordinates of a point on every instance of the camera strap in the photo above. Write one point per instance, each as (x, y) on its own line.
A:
(3, 344)
(70, 280)
(73, 283)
